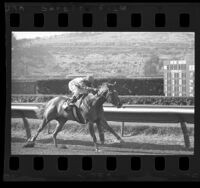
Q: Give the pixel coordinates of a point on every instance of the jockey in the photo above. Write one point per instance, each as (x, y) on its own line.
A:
(79, 86)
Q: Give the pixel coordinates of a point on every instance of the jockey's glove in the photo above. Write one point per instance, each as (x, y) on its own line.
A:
(95, 90)
(92, 89)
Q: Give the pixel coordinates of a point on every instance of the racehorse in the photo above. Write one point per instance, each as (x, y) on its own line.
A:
(90, 108)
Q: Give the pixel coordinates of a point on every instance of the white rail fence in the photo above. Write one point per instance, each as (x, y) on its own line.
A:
(129, 113)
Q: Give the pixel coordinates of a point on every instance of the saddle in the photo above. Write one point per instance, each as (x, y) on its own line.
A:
(76, 109)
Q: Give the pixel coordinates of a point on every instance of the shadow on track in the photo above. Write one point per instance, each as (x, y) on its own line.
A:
(126, 145)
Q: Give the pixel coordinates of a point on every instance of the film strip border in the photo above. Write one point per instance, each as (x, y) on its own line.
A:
(87, 20)
(97, 167)
(103, 17)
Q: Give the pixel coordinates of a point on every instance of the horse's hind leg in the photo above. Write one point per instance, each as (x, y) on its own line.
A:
(31, 141)
(58, 129)
(41, 127)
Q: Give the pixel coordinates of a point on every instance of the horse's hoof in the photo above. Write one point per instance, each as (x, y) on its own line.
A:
(63, 147)
(29, 144)
(97, 150)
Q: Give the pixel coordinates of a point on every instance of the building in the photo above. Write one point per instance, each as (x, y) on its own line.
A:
(179, 77)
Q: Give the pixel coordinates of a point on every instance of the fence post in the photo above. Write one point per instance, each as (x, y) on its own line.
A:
(185, 133)
(122, 129)
(26, 126)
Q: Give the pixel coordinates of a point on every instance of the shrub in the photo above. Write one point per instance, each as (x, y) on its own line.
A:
(124, 86)
(152, 100)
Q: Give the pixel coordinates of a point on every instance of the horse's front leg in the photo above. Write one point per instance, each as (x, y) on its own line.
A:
(107, 127)
(61, 123)
(91, 130)
(100, 131)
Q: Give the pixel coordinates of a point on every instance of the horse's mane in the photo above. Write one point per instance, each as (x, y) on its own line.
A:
(103, 86)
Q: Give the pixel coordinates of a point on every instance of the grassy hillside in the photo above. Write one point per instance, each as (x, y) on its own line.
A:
(105, 54)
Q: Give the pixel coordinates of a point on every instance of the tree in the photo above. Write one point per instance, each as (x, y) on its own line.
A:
(151, 67)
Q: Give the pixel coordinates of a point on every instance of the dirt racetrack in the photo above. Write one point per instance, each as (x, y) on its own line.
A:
(147, 141)
(85, 148)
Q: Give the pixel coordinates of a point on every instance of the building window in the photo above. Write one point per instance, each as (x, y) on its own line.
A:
(182, 62)
(183, 75)
(191, 67)
(192, 75)
(183, 66)
(184, 82)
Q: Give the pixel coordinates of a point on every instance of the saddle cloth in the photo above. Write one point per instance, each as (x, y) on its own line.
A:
(77, 114)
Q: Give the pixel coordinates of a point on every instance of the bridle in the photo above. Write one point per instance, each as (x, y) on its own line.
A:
(105, 95)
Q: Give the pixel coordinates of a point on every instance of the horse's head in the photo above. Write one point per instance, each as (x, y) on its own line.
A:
(110, 94)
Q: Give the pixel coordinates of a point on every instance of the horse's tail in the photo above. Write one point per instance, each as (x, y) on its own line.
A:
(40, 111)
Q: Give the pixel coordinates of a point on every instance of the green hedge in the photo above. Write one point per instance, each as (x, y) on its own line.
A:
(159, 100)
(144, 86)
(23, 87)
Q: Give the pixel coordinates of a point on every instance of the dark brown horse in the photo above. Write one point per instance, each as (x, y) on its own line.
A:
(91, 109)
